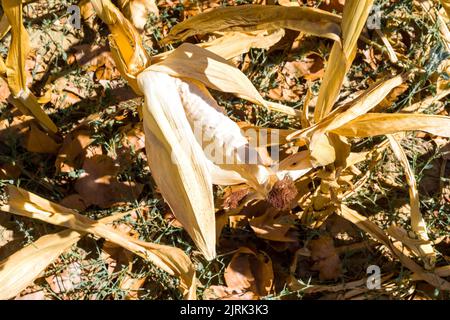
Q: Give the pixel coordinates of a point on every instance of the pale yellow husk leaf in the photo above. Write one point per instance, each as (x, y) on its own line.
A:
(177, 161)
(233, 44)
(322, 149)
(172, 260)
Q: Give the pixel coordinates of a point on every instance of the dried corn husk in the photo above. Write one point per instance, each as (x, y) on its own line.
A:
(256, 17)
(177, 161)
(172, 260)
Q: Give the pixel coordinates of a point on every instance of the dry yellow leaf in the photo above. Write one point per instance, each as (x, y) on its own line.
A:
(418, 224)
(342, 55)
(172, 260)
(21, 268)
(126, 44)
(256, 17)
(375, 124)
(24, 99)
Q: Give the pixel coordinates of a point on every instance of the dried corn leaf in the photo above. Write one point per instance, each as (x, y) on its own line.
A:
(21, 268)
(127, 49)
(322, 149)
(374, 124)
(15, 65)
(191, 61)
(371, 228)
(255, 17)
(418, 224)
(342, 55)
(170, 259)
(177, 161)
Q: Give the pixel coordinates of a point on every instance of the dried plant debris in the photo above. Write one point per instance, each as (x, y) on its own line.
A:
(224, 150)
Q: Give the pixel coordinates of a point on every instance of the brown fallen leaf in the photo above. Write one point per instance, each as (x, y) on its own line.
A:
(72, 151)
(96, 59)
(18, 127)
(98, 185)
(250, 271)
(4, 91)
(310, 67)
(325, 258)
(38, 141)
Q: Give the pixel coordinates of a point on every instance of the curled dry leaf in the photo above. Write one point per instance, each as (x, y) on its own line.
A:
(341, 57)
(325, 257)
(232, 44)
(250, 272)
(126, 45)
(418, 224)
(374, 124)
